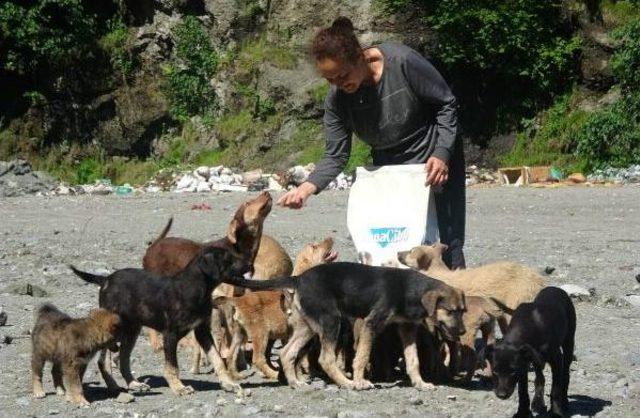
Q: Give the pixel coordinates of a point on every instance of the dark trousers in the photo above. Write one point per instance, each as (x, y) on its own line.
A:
(451, 209)
(450, 200)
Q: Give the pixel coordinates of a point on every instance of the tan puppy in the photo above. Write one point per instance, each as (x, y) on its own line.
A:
(508, 283)
(480, 316)
(70, 344)
(261, 315)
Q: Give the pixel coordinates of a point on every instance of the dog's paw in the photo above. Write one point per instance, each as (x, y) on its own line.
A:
(137, 386)
(60, 391)
(363, 385)
(77, 400)
(538, 406)
(299, 384)
(39, 394)
(230, 386)
(184, 391)
(425, 386)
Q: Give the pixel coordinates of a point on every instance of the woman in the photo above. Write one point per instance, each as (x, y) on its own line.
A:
(398, 103)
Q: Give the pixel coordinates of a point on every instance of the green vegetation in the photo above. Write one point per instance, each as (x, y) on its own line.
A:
(188, 77)
(581, 140)
(116, 44)
(320, 92)
(620, 12)
(258, 51)
(44, 34)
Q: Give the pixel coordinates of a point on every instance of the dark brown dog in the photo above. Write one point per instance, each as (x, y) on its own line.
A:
(168, 256)
(173, 306)
(70, 344)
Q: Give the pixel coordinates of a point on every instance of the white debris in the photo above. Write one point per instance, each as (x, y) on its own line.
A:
(574, 290)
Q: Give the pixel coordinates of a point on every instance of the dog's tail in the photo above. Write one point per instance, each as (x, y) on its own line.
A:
(272, 284)
(88, 277)
(163, 234)
(504, 308)
(47, 308)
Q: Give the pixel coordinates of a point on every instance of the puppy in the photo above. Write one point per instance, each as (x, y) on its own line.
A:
(168, 256)
(171, 306)
(480, 316)
(262, 315)
(70, 344)
(328, 293)
(507, 283)
(540, 332)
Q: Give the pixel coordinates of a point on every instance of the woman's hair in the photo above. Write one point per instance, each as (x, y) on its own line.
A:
(338, 41)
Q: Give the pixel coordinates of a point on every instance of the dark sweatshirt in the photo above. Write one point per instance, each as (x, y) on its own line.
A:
(407, 117)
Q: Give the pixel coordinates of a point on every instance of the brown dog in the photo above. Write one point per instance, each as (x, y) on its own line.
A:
(508, 284)
(168, 256)
(480, 316)
(262, 315)
(70, 344)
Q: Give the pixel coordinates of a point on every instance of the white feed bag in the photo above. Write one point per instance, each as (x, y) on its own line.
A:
(390, 209)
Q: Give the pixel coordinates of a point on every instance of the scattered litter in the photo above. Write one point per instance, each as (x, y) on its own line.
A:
(451, 397)
(201, 206)
(28, 289)
(576, 291)
(124, 190)
(549, 270)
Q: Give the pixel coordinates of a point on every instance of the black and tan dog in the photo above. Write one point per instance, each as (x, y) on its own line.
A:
(328, 293)
(70, 344)
(540, 332)
(172, 307)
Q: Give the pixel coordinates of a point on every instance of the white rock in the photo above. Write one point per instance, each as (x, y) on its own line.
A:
(228, 188)
(203, 172)
(274, 185)
(152, 189)
(299, 174)
(575, 290)
(237, 179)
(203, 186)
(186, 182)
(634, 300)
(214, 179)
(215, 171)
(226, 170)
(226, 178)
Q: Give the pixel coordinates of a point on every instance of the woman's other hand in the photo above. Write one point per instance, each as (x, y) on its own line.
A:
(437, 171)
(296, 198)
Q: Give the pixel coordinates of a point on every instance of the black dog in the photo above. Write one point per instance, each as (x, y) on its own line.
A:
(329, 293)
(540, 332)
(171, 306)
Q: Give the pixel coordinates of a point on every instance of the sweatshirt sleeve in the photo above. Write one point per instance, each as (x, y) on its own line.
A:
(338, 144)
(431, 88)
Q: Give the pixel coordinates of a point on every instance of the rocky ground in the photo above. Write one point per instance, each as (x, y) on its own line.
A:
(591, 236)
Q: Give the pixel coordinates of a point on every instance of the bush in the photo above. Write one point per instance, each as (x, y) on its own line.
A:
(116, 43)
(508, 57)
(44, 34)
(187, 77)
(625, 62)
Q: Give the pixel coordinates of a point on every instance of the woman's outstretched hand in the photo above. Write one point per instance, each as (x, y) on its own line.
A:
(296, 198)
(437, 171)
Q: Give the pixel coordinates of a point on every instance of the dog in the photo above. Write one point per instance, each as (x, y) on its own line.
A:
(480, 316)
(172, 306)
(263, 316)
(70, 344)
(328, 293)
(506, 283)
(540, 332)
(167, 256)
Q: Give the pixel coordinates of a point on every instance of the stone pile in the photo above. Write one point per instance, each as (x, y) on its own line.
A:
(617, 175)
(475, 175)
(17, 178)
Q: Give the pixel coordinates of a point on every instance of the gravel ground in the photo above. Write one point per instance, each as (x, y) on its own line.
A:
(590, 235)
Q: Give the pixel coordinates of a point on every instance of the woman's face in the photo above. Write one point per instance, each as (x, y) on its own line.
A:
(345, 76)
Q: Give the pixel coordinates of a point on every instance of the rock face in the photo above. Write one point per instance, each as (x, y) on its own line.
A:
(17, 179)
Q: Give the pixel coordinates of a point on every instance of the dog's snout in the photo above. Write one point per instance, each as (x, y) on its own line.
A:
(501, 393)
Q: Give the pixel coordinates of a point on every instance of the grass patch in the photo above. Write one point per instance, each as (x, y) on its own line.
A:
(619, 12)
(554, 141)
(257, 51)
(360, 156)
(319, 92)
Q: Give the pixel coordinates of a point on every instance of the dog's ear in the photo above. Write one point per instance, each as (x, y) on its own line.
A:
(232, 231)
(423, 259)
(531, 354)
(430, 300)
(440, 247)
